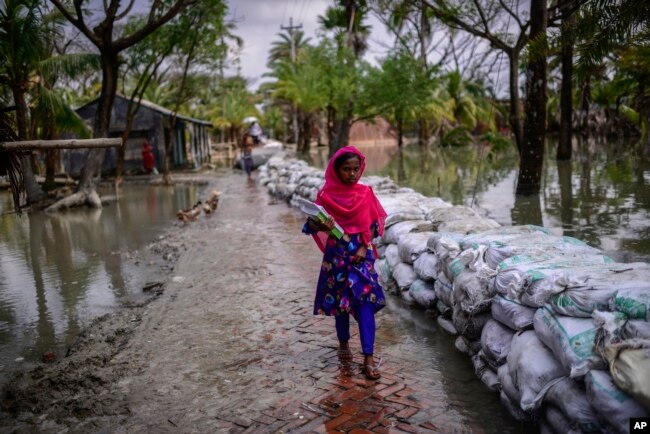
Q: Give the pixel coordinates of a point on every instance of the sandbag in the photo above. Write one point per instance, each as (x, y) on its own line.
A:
(443, 309)
(411, 245)
(469, 225)
(634, 302)
(404, 275)
(580, 302)
(507, 385)
(392, 234)
(445, 245)
(558, 422)
(570, 339)
(469, 325)
(512, 313)
(495, 342)
(447, 325)
(490, 379)
(392, 255)
(472, 294)
(513, 408)
(444, 290)
(533, 280)
(636, 329)
(629, 366)
(383, 271)
(536, 244)
(462, 346)
(614, 405)
(423, 293)
(533, 368)
(502, 234)
(427, 266)
(571, 400)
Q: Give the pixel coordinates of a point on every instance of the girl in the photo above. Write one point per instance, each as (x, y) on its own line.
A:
(348, 281)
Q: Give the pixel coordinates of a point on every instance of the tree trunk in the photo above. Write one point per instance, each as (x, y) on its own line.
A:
(102, 121)
(167, 180)
(564, 148)
(306, 134)
(400, 131)
(564, 171)
(531, 157)
(584, 107)
(51, 160)
(515, 102)
(33, 191)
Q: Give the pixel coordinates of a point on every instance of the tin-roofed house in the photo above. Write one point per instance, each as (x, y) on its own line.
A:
(190, 138)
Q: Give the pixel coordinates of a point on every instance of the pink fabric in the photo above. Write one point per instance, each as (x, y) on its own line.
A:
(354, 207)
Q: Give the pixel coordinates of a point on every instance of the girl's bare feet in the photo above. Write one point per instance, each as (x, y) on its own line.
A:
(344, 353)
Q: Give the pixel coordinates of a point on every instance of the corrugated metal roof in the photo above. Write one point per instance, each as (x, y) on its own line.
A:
(159, 109)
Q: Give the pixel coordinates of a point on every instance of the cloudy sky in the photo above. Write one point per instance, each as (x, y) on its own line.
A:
(258, 23)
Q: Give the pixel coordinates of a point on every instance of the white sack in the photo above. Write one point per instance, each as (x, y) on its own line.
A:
(533, 368)
(423, 293)
(495, 342)
(610, 402)
(570, 339)
(411, 245)
(570, 398)
(427, 266)
(512, 313)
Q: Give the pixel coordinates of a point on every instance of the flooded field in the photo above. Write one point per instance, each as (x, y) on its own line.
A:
(58, 272)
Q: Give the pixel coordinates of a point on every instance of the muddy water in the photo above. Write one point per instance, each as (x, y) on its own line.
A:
(59, 272)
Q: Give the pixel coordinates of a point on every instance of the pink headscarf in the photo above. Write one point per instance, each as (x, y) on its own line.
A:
(354, 207)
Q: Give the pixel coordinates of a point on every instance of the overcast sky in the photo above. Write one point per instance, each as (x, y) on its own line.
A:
(258, 23)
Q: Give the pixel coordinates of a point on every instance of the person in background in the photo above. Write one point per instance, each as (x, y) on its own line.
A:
(256, 132)
(148, 161)
(348, 283)
(247, 144)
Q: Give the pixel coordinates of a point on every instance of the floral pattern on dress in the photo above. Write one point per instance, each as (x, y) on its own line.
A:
(342, 283)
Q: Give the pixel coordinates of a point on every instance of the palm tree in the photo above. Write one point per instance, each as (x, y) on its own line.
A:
(281, 50)
(23, 37)
(31, 72)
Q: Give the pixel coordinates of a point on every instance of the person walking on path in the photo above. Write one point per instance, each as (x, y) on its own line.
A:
(256, 132)
(247, 144)
(348, 283)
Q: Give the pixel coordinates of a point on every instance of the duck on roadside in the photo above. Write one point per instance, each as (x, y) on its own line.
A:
(189, 214)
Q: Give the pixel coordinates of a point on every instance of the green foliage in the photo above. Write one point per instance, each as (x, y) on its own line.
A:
(400, 89)
(458, 136)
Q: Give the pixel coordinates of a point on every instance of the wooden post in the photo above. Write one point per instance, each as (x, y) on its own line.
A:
(60, 144)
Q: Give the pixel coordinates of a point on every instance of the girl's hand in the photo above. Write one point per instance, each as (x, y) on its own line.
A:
(317, 225)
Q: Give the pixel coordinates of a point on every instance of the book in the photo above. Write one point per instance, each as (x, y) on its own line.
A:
(318, 212)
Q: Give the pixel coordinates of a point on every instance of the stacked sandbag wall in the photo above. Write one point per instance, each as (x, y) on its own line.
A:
(560, 331)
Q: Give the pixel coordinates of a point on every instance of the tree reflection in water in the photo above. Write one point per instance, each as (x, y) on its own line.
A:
(60, 271)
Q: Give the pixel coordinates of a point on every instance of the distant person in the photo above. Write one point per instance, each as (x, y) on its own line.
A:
(148, 161)
(348, 283)
(256, 132)
(247, 145)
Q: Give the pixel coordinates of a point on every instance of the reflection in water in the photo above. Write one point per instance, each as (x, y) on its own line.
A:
(58, 272)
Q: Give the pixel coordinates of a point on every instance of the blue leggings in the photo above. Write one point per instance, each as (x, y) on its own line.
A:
(365, 316)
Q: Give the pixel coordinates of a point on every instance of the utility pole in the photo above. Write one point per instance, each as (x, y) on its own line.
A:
(290, 29)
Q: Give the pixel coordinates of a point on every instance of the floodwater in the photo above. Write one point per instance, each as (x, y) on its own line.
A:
(601, 197)
(59, 272)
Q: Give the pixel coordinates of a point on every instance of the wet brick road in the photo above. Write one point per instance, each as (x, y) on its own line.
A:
(232, 346)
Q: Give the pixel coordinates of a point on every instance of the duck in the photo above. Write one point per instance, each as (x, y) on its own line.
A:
(189, 214)
(213, 201)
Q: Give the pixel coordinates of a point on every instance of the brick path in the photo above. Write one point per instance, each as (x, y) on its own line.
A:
(234, 346)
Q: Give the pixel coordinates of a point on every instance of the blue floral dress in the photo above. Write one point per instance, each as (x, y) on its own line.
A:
(342, 283)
